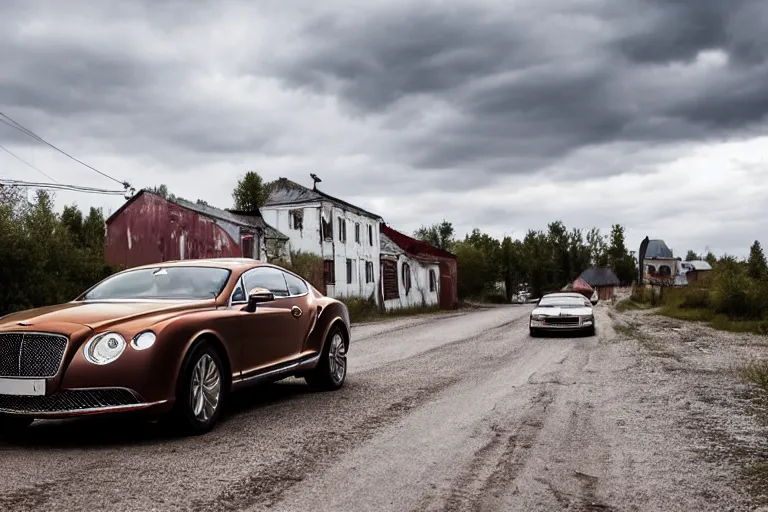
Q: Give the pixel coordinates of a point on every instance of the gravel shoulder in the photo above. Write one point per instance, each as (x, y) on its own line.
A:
(454, 412)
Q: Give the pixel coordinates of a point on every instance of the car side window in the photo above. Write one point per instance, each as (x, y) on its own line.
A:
(270, 278)
(239, 294)
(296, 286)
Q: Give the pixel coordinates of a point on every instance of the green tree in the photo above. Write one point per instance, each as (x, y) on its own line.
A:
(757, 267)
(598, 248)
(692, 256)
(251, 192)
(440, 235)
(620, 260)
(710, 258)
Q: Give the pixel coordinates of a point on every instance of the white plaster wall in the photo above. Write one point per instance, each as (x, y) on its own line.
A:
(308, 239)
(419, 294)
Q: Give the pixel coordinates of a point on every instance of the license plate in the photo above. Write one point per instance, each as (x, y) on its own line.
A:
(22, 387)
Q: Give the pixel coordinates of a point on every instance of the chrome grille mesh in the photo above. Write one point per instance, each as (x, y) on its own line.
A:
(68, 400)
(563, 320)
(31, 354)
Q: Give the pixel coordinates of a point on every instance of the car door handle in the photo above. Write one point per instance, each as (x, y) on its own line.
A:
(296, 311)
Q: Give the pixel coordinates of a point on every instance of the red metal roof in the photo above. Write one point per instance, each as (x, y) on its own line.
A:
(580, 286)
(414, 246)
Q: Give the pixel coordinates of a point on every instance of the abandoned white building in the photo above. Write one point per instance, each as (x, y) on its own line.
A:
(344, 235)
(415, 273)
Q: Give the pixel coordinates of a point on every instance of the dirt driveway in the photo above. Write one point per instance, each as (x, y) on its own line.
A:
(456, 412)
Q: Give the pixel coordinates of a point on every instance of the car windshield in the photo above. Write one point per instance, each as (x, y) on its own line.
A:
(162, 283)
(562, 302)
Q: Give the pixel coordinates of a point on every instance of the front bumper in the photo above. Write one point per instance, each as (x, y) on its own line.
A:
(70, 403)
(542, 325)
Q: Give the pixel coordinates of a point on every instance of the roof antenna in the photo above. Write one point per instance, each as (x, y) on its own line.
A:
(316, 179)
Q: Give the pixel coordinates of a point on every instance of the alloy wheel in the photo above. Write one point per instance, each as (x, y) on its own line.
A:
(205, 389)
(337, 358)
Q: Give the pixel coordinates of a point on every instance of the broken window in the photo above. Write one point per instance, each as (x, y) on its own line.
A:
(432, 281)
(342, 230)
(368, 271)
(357, 232)
(327, 228)
(296, 219)
(406, 277)
(349, 271)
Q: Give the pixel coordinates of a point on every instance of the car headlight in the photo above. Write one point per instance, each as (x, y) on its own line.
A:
(538, 318)
(144, 340)
(104, 348)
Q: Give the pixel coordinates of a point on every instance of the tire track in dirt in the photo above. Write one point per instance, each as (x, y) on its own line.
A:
(495, 465)
(266, 485)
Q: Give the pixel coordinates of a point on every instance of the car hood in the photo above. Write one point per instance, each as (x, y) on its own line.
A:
(555, 311)
(94, 315)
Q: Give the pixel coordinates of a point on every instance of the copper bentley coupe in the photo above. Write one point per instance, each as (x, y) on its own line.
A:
(170, 340)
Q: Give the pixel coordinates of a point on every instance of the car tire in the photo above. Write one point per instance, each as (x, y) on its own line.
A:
(11, 423)
(533, 332)
(200, 391)
(591, 331)
(331, 371)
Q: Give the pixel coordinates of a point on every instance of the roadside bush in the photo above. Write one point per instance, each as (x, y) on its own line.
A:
(307, 265)
(48, 258)
(697, 298)
(495, 298)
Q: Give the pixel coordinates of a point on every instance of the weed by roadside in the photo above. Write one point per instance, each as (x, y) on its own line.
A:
(757, 373)
(630, 305)
(366, 310)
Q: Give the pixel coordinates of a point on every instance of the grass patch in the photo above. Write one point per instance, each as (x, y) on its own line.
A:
(629, 305)
(757, 373)
(719, 322)
(365, 310)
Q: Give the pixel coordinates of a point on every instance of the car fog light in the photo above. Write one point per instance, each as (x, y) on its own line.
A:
(144, 340)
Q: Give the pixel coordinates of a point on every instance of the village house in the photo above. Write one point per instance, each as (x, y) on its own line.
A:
(603, 280)
(149, 228)
(659, 265)
(696, 271)
(344, 235)
(415, 273)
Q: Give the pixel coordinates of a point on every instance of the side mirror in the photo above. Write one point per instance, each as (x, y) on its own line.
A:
(258, 296)
(594, 302)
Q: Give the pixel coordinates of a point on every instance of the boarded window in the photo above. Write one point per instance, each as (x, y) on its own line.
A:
(247, 246)
(328, 274)
(432, 281)
(357, 232)
(406, 277)
(368, 271)
(349, 271)
(389, 279)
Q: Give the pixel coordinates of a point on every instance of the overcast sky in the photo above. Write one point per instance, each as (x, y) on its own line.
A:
(498, 114)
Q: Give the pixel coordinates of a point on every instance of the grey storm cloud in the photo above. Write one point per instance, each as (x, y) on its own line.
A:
(530, 84)
(386, 99)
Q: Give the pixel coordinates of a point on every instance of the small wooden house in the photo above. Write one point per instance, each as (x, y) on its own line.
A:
(603, 280)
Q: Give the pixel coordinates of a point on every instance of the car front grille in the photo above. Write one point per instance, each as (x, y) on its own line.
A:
(36, 355)
(72, 400)
(563, 320)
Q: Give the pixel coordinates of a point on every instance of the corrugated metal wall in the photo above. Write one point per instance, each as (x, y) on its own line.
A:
(152, 230)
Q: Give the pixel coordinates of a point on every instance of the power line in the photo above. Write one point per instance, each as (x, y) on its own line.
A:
(32, 134)
(14, 155)
(61, 186)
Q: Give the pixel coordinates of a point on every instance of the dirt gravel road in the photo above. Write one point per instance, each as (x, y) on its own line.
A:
(457, 412)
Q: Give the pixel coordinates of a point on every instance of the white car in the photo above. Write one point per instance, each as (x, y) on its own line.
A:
(562, 312)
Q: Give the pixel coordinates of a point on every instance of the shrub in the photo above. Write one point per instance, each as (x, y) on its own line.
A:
(307, 265)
